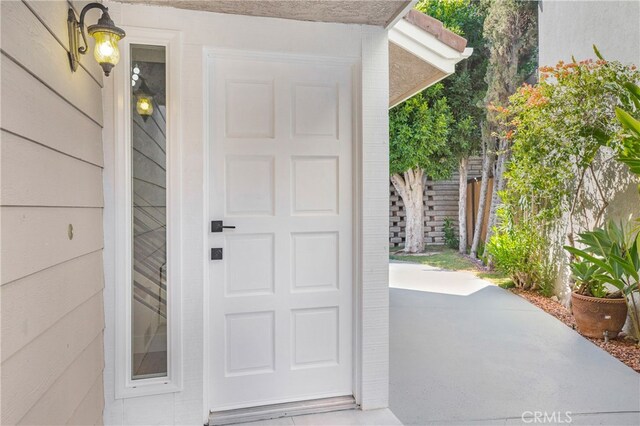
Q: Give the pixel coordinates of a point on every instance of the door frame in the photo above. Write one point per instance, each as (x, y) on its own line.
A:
(210, 54)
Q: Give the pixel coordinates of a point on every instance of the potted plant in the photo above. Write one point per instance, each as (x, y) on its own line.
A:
(607, 275)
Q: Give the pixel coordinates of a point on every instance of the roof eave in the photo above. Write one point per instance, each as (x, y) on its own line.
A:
(401, 14)
(431, 49)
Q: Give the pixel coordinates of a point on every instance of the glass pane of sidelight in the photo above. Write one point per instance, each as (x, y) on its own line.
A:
(149, 211)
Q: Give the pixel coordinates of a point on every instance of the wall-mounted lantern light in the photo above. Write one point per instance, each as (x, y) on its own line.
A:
(104, 32)
(144, 100)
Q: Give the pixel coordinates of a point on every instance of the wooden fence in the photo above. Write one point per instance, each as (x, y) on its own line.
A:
(473, 201)
(440, 203)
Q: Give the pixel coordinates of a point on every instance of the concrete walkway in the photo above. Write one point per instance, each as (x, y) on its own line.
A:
(466, 352)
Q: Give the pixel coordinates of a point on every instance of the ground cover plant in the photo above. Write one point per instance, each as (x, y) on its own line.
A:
(450, 259)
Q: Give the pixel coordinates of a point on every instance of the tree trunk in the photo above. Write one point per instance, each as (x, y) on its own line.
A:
(410, 186)
(463, 169)
(498, 186)
(487, 163)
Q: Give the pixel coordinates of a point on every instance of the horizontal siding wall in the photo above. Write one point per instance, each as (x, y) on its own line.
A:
(51, 201)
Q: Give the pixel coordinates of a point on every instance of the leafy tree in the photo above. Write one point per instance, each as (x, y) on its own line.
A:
(564, 140)
(419, 131)
(465, 90)
(630, 152)
(511, 31)
(558, 131)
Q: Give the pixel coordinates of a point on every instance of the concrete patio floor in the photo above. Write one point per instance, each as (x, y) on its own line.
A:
(464, 351)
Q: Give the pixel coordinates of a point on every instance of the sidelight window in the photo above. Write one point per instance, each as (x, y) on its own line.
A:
(149, 332)
(147, 214)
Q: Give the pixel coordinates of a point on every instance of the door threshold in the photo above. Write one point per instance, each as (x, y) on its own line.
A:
(287, 409)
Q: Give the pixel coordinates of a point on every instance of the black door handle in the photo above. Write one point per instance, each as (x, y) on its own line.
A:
(217, 226)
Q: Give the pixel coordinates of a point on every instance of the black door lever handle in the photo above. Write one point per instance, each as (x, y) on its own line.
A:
(217, 226)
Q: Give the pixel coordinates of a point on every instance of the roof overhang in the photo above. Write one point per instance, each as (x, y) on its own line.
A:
(421, 53)
(381, 13)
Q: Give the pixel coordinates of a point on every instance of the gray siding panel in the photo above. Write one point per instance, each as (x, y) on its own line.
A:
(54, 17)
(27, 110)
(36, 238)
(51, 317)
(33, 175)
(54, 292)
(30, 372)
(30, 44)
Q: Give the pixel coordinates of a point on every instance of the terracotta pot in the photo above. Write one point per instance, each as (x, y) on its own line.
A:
(596, 315)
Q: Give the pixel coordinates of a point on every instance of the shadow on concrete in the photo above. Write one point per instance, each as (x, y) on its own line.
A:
(469, 352)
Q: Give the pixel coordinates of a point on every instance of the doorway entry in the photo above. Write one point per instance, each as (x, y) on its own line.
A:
(280, 205)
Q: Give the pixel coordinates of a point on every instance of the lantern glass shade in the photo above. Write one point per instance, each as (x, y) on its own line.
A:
(144, 99)
(106, 49)
(144, 105)
(105, 33)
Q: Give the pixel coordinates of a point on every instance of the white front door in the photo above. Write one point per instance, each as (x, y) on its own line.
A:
(280, 170)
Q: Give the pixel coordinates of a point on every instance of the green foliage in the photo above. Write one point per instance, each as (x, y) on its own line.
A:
(419, 135)
(464, 90)
(511, 30)
(613, 254)
(583, 273)
(556, 129)
(519, 251)
(463, 17)
(436, 128)
(450, 238)
(630, 152)
(610, 255)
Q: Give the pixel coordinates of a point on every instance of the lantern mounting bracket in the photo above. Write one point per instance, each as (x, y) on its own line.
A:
(76, 28)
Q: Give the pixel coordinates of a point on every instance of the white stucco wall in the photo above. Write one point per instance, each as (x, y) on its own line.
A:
(572, 27)
(368, 45)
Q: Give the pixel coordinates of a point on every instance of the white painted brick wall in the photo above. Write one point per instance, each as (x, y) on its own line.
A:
(375, 220)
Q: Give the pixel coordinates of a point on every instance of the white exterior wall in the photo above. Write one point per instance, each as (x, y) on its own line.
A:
(374, 223)
(571, 28)
(200, 30)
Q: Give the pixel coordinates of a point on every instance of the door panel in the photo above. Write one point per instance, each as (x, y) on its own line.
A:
(280, 143)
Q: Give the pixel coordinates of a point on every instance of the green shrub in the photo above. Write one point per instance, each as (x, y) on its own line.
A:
(584, 274)
(610, 255)
(450, 238)
(519, 250)
(481, 251)
(556, 130)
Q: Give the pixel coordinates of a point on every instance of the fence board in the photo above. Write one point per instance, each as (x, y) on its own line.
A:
(440, 202)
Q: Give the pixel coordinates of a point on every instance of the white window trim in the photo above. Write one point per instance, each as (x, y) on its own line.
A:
(125, 387)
